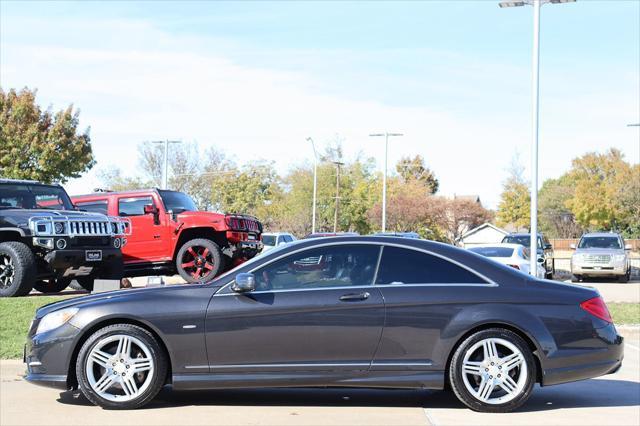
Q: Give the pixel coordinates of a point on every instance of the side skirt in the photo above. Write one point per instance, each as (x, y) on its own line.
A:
(373, 379)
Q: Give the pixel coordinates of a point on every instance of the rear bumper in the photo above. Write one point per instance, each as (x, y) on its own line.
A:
(603, 355)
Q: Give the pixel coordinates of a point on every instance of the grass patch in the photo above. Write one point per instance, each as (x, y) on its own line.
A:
(16, 314)
(625, 313)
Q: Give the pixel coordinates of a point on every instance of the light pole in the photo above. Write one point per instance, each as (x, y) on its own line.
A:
(384, 176)
(315, 185)
(335, 217)
(165, 174)
(533, 265)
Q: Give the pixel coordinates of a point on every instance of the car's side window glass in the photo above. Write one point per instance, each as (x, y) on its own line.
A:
(404, 266)
(99, 206)
(133, 206)
(324, 267)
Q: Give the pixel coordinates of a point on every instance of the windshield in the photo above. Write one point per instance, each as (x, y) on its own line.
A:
(25, 196)
(493, 251)
(600, 242)
(177, 202)
(269, 240)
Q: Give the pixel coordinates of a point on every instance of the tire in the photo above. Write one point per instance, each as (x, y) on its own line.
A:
(17, 269)
(86, 283)
(76, 286)
(520, 371)
(576, 278)
(94, 369)
(625, 278)
(199, 250)
(52, 285)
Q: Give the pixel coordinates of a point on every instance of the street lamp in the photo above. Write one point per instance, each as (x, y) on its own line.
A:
(535, 107)
(338, 164)
(384, 178)
(315, 185)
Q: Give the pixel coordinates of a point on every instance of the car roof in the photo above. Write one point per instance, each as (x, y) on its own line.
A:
(28, 182)
(600, 234)
(521, 234)
(505, 245)
(107, 193)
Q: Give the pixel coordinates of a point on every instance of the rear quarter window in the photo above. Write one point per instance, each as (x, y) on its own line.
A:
(100, 206)
(406, 266)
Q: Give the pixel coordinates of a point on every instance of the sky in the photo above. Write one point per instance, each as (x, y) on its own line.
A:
(256, 78)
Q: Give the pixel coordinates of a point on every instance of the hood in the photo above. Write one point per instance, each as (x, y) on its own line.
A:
(83, 300)
(596, 251)
(20, 217)
(212, 216)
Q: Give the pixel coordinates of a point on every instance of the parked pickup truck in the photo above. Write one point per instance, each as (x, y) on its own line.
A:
(45, 242)
(170, 235)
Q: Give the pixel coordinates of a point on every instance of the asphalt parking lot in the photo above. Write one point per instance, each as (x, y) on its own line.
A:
(612, 399)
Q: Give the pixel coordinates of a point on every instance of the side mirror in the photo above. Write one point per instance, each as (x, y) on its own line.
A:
(572, 246)
(244, 283)
(150, 209)
(548, 246)
(628, 247)
(541, 260)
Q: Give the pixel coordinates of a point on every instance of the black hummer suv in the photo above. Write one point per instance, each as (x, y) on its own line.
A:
(45, 242)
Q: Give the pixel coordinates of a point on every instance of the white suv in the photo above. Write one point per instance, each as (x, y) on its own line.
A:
(601, 255)
(274, 239)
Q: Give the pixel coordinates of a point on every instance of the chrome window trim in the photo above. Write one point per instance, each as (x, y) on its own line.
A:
(224, 290)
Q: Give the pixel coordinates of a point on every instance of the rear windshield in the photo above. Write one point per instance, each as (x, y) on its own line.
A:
(493, 251)
(269, 240)
(600, 242)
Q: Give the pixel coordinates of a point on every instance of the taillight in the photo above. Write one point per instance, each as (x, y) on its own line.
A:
(597, 308)
(515, 266)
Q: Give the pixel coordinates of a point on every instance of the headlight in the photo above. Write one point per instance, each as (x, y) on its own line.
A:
(619, 257)
(579, 257)
(59, 227)
(55, 319)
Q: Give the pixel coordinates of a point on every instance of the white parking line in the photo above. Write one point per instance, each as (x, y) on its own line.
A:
(430, 418)
(633, 347)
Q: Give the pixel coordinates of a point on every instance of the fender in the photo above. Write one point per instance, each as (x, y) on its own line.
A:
(514, 316)
(14, 229)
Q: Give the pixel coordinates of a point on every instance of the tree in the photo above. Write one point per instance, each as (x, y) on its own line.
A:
(460, 216)
(599, 180)
(556, 219)
(41, 145)
(515, 200)
(415, 169)
(628, 196)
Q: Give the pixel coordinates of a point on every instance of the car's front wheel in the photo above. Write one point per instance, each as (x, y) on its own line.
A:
(121, 366)
(493, 371)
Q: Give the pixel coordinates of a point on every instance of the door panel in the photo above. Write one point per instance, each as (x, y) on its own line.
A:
(315, 310)
(149, 241)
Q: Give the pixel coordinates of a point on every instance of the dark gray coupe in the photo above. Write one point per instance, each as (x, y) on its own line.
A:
(344, 311)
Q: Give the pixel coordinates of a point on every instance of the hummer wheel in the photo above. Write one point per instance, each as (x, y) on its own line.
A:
(17, 269)
(199, 260)
(52, 285)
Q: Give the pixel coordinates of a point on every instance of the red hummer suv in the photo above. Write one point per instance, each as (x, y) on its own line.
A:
(170, 235)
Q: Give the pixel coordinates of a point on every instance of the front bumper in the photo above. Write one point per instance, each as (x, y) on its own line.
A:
(585, 269)
(73, 262)
(602, 354)
(48, 354)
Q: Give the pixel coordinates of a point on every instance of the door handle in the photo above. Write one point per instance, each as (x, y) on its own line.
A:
(156, 236)
(355, 296)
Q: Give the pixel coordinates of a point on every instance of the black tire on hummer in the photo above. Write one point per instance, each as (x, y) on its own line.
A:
(52, 285)
(17, 269)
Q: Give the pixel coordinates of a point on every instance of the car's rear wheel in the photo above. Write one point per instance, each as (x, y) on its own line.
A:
(17, 269)
(626, 277)
(52, 285)
(121, 366)
(576, 278)
(199, 260)
(86, 283)
(493, 371)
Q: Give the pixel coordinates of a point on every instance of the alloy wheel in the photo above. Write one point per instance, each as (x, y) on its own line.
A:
(494, 371)
(120, 368)
(198, 262)
(7, 271)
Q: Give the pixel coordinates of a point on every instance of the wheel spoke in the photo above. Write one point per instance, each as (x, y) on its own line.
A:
(471, 367)
(511, 361)
(105, 382)
(485, 389)
(197, 273)
(189, 264)
(138, 365)
(192, 252)
(208, 266)
(100, 357)
(490, 350)
(205, 252)
(508, 384)
(124, 346)
(129, 386)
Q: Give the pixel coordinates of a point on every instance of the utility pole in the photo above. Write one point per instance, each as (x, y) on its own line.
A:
(384, 176)
(165, 173)
(335, 217)
(315, 186)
